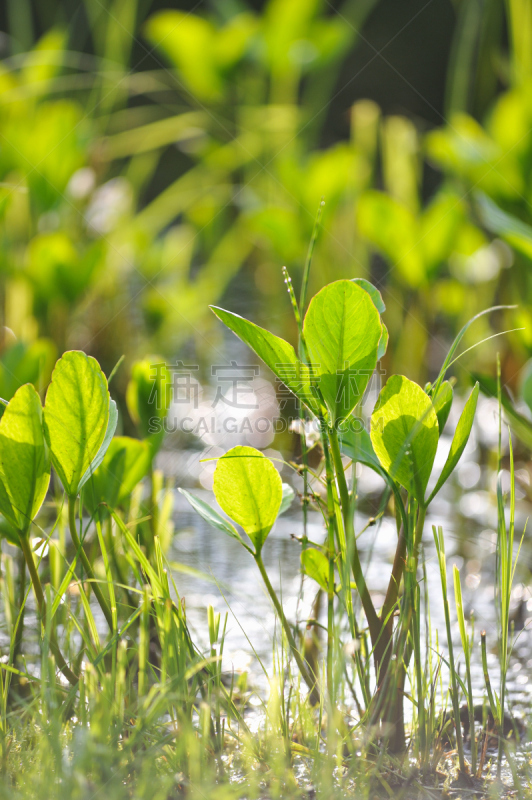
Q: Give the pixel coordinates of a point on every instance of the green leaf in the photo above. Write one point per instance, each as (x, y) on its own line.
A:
(356, 443)
(277, 354)
(378, 302)
(342, 331)
(123, 466)
(383, 342)
(24, 459)
(100, 455)
(249, 489)
(211, 516)
(288, 497)
(442, 403)
(404, 433)
(460, 439)
(373, 292)
(76, 416)
(316, 566)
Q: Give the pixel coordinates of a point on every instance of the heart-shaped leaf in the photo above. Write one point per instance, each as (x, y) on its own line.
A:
(342, 332)
(316, 566)
(460, 439)
(125, 463)
(24, 459)
(405, 433)
(76, 417)
(277, 354)
(210, 515)
(249, 489)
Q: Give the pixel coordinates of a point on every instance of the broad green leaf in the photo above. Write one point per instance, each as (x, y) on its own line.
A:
(277, 354)
(123, 466)
(249, 489)
(442, 403)
(211, 516)
(356, 443)
(100, 455)
(76, 416)
(460, 439)
(342, 331)
(24, 459)
(404, 433)
(316, 566)
(288, 497)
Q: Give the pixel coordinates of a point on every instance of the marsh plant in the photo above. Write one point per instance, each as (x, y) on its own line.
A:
(341, 339)
(120, 674)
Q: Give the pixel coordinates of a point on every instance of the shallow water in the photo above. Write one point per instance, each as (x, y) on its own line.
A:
(467, 511)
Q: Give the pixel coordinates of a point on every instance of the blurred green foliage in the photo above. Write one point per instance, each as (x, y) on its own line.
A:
(131, 198)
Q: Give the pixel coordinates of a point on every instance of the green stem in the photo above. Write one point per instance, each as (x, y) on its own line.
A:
(374, 624)
(309, 679)
(37, 588)
(86, 563)
(21, 593)
(331, 554)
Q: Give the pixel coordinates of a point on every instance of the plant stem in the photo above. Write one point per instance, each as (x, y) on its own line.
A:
(21, 593)
(309, 679)
(374, 624)
(86, 563)
(330, 554)
(37, 588)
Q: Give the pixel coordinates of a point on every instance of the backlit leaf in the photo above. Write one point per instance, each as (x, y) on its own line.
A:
(342, 331)
(277, 354)
(316, 566)
(249, 489)
(76, 416)
(24, 459)
(108, 438)
(404, 433)
(460, 439)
